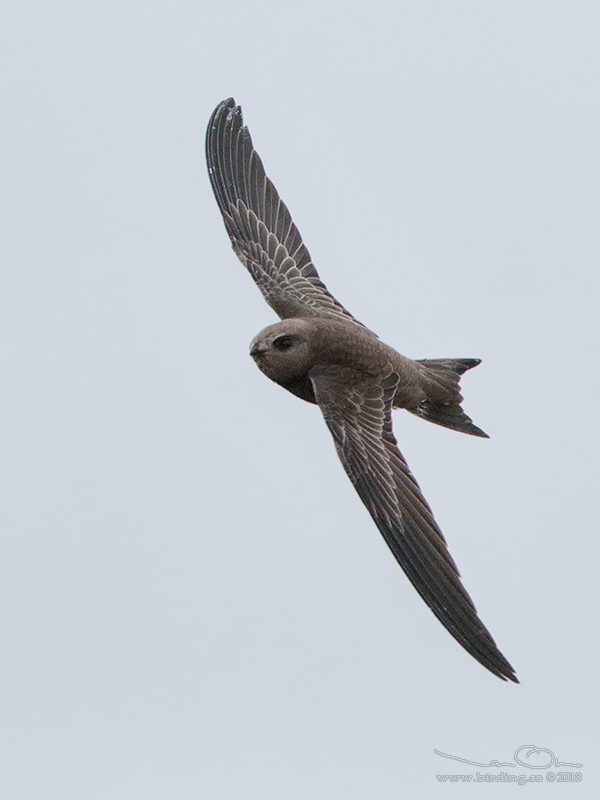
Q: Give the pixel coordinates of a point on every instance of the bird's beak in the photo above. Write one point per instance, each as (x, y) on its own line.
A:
(257, 349)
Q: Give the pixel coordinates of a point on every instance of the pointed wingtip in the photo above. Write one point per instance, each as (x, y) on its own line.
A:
(505, 671)
(225, 107)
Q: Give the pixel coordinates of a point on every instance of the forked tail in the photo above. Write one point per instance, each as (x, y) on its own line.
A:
(442, 385)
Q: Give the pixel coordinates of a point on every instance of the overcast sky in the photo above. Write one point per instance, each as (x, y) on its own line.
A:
(196, 604)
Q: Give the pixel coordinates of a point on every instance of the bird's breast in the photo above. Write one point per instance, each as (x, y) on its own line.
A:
(348, 345)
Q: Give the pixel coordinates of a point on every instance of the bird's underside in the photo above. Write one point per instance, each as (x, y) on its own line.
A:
(321, 353)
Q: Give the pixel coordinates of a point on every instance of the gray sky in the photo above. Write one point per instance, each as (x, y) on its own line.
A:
(196, 603)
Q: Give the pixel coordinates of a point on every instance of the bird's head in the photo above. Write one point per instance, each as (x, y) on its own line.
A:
(282, 351)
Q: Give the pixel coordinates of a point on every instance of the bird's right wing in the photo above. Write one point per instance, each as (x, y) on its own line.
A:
(259, 225)
(359, 417)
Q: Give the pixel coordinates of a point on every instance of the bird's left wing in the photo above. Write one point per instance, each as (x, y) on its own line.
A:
(259, 224)
(359, 416)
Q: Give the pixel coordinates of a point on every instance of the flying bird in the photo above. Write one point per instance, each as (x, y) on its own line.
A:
(322, 354)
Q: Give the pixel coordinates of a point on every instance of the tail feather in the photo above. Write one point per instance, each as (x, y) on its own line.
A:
(442, 386)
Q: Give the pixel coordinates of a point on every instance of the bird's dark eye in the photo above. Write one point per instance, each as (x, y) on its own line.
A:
(282, 343)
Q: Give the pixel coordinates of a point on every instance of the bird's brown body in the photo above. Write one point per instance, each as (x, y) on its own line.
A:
(332, 344)
(322, 354)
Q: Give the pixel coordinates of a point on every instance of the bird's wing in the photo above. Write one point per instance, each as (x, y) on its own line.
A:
(261, 229)
(359, 417)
